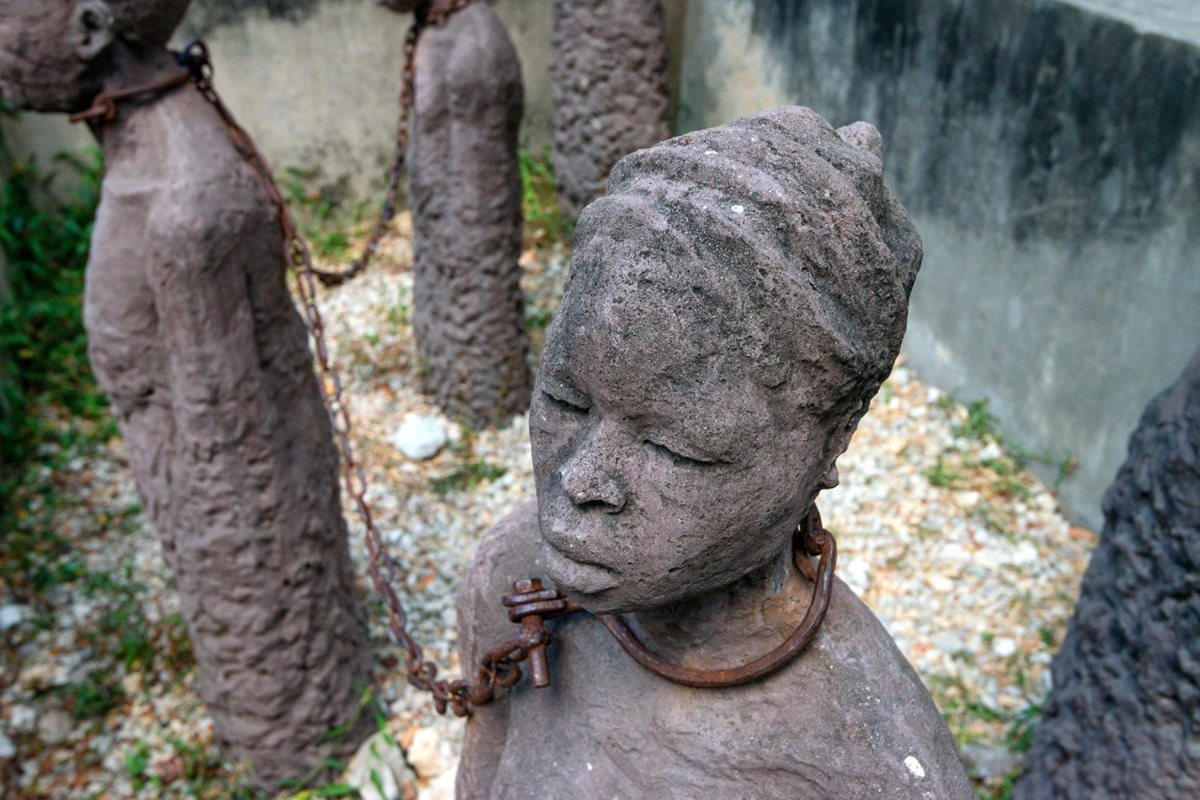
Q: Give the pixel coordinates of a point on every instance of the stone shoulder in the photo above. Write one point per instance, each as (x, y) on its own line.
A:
(506, 553)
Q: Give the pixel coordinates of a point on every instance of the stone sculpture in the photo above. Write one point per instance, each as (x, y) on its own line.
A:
(465, 193)
(732, 305)
(609, 78)
(1121, 716)
(193, 336)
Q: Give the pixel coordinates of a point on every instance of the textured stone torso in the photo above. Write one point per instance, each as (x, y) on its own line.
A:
(194, 337)
(468, 311)
(1121, 720)
(609, 71)
(839, 722)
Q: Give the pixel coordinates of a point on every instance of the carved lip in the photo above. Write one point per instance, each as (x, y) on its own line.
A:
(574, 574)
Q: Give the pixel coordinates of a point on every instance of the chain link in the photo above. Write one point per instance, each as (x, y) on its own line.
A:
(530, 605)
(425, 16)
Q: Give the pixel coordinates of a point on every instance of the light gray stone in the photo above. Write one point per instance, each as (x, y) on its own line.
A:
(378, 770)
(991, 762)
(420, 437)
(10, 617)
(54, 727)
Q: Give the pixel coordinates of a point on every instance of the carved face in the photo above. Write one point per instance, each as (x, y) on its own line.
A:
(664, 467)
(42, 45)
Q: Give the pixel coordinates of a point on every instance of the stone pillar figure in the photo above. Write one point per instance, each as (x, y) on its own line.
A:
(1121, 719)
(465, 193)
(609, 78)
(732, 305)
(193, 336)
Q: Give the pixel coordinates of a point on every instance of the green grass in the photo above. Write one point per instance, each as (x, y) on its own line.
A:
(544, 217)
(466, 476)
(51, 410)
(942, 476)
(324, 217)
(95, 696)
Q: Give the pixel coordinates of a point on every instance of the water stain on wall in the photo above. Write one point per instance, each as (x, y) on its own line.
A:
(1082, 117)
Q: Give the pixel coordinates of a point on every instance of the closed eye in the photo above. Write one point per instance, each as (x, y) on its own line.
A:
(564, 405)
(679, 458)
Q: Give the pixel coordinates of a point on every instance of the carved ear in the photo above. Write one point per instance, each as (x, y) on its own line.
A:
(864, 135)
(93, 29)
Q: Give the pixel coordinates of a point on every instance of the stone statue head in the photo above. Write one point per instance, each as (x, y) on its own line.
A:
(733, 304)
(54, 54)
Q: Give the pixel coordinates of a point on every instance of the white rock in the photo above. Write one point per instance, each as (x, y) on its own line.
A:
(7, 748)
(939, 583)
(42, 676)
(419, 437)
(424, 755)
(54, 727)
(11, 616)
(379, 764)
(1004, 647)
(991, 762)
(1026, 553)
(949, 641)
(991, 452)
(21, 718)
(442, 787)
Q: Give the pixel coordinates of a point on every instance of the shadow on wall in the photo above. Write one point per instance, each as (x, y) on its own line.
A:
(1051, 156)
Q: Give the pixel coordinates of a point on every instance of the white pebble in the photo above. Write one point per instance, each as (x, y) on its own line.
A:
(1004, 647)
(423, 754)
(420, 437)
(10, 617)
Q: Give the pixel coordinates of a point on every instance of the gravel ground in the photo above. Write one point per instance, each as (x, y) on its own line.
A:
(960, 551)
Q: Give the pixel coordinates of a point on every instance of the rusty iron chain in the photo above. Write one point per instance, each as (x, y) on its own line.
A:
(500, 665)
(425, 16)
(530, 605)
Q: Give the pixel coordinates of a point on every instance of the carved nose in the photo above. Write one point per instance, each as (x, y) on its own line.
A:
(589, 484)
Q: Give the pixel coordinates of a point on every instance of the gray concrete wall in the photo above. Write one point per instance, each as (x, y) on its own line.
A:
(1051, 156)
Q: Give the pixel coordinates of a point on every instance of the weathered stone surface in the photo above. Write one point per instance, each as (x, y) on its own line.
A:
(609, 79)
(193, 336)
(465, 190)
(732, 305)
(1121, 718)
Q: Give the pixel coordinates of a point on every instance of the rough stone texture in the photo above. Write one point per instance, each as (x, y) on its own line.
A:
(1042, 147)
(193, 336)
(732, 305)
(609, 78)
(465, 190)
(1121, 718)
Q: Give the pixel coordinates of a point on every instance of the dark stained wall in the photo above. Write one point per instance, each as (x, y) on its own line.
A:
(1051, 156)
